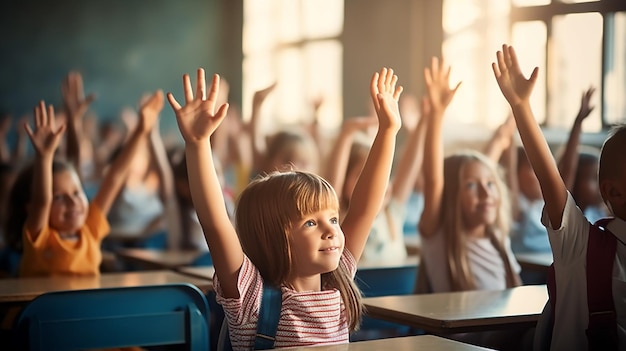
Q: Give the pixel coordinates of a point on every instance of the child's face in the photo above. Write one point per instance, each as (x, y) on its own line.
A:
(586, 190)
(69, 203)
(316, 242)
(478, 195)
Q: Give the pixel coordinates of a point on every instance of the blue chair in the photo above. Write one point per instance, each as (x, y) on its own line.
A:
(384, 281)
(172, 314)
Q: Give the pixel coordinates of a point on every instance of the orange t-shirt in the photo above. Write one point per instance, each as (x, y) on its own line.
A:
(51, 255)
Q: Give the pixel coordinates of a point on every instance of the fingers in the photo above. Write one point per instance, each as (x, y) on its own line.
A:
(200, 84)
(51, 121)
(398, 91)
(382, 77)
(38, 117)
(501, 63)
(175, 105)
(496, 70)
(213, 93)
(187, 88)
(374, 90)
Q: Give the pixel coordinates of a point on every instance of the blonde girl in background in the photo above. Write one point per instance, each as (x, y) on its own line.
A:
(465, 223)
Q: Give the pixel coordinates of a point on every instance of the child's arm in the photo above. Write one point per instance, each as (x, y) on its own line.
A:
(167, 191)
(517, 89)
(116, 175)
(337, 165)
(569, 160)
(501, 140)
(412, 158)
(197, 121)
(75, 105)
(370, 188)
(45, 140)
(259, 159)
(440, 96)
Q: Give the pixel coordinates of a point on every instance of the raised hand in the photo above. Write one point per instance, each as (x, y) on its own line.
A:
(197, 120)
(47, 135)
(514, 86)
(74, 100)
(149, 111)
(585, 107)
(385, 96)
(260, 96)
(437, 78)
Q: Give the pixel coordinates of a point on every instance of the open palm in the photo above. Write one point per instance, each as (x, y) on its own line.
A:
(197, 120)
(46, 136)
(515, 87)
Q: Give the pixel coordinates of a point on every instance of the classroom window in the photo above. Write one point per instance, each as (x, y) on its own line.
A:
(584, 46)
(296, 44)
(615, 69)
(473, 30)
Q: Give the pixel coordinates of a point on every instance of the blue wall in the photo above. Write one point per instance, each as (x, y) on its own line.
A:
(123, 48)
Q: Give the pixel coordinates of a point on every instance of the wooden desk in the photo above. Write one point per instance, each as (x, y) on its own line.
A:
(466, 311)
(158, 259)
(409, 261)
(536, 261)
(409, 343)
(26, 289)
(200, 272)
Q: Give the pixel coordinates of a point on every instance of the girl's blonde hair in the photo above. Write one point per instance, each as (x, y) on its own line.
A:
(459, 272)
(266, 210)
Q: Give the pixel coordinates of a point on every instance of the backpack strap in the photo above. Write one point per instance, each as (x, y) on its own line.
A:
(601, 247)
(269, 314)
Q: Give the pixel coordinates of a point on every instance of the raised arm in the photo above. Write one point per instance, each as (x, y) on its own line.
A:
(440, 95)
(75, 105)
(45, 139)
(517, 89)
(258, 141)
(501, 139)
(167, 191)
(569, 160)
(197, 121)
(116, 175)
(371, 186)
(411, 159)
(335, 170)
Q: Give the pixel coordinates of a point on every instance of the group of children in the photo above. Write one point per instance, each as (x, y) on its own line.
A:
(302, 225)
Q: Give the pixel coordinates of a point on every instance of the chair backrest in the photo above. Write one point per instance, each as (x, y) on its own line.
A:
(383, 281)
(116, 317)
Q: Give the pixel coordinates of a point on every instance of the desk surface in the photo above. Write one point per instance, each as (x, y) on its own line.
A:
(536, 261)
(409, 343)
(409, 261)
(159, 259)
(202, 272)
(463, 311)
(26, 289)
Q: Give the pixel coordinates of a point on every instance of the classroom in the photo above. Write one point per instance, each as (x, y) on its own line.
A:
(313, 175)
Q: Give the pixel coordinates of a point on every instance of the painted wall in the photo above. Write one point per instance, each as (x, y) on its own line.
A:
(123, 48)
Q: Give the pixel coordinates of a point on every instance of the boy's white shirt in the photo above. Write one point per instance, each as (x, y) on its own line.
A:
(569, 247)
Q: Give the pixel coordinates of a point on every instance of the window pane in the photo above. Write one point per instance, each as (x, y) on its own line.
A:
(289, 95)
(286, 13)
(521, 3)
(323, 76)
(473, 31)
(615, 74)
(575, 64)
(258, 73)
(322, 18)
(529, 40)
(258, 28)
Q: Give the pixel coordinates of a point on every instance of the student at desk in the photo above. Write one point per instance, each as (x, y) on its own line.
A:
(60, 232)
(464, 225)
